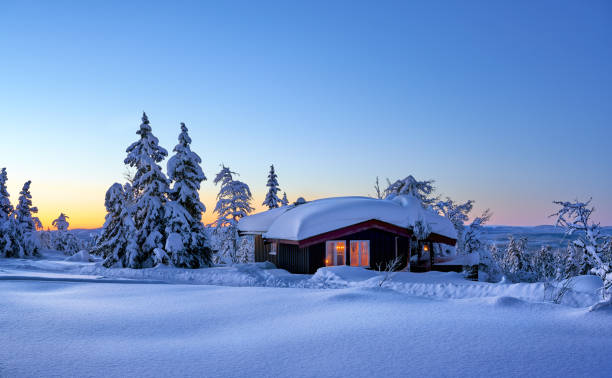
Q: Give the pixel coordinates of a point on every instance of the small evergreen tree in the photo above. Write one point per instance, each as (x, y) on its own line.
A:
(516, 262)
(488, 269)
(63, 240)
(233, 203)
(117, 243)
(272, 200)
(186, 240)
(246, 249)
(284, 200)
(543, 262)
(26, 242)
(150, 189)
(61, 222)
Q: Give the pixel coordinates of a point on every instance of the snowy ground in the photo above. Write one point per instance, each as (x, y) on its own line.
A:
(73, 318)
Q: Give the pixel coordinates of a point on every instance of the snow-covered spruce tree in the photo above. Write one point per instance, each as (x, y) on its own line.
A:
(150, 188)
(63, 240)
(6, 217)
(233, 203)
(26, 242)
(543, 262)
(516, 264)
(488, 269)
(272, 200)
(117, 242)
(458, 214)
(575, 217)
(61, 222)
(246, 249)
(284, 200)
(186, 237)
(410, 186)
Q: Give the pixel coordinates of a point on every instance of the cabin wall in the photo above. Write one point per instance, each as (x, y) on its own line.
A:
(293, 259)
(260, 249)
(382, 248)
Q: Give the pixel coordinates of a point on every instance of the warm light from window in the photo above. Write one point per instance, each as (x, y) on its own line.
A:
(425, 248)
(340, 247)
(326, 261)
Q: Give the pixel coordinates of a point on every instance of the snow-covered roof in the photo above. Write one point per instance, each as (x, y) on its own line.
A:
(319, 216)
(260, 222)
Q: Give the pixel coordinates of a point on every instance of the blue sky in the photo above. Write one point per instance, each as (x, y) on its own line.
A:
(506, 103)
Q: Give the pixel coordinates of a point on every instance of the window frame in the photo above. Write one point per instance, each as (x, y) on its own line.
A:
(334, 257)
(359, 253)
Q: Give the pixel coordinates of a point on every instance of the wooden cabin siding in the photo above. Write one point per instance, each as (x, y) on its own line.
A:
(260, 249)
(382, 249)
(293, 259)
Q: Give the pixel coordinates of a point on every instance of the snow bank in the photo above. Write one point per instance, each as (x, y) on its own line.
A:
(81, 256)
(118, 330)
(584, 292)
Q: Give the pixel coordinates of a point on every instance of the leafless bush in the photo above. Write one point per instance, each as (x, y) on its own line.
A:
(555, 293)
(388, 270)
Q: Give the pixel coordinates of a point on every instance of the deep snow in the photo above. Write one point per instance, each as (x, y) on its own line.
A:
(116, 330)
(69, 317)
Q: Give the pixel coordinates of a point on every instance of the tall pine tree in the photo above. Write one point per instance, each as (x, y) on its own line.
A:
(272, 200)
(150, 188)
(6, 217)
(186, 242)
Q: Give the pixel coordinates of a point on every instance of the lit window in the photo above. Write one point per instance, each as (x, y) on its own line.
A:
(334, 252)
(360, 253)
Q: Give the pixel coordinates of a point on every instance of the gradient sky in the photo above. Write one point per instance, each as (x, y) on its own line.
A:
(507, 103)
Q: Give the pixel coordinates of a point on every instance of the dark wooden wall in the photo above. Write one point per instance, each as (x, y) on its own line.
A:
(382, 250)
(260, 249)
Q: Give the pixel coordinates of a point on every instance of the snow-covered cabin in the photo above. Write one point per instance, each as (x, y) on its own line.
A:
(355, 231)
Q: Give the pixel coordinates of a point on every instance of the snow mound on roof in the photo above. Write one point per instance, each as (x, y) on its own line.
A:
(260, 222)
(324, 215)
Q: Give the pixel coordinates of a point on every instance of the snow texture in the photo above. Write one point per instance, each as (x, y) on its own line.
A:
(128, 328)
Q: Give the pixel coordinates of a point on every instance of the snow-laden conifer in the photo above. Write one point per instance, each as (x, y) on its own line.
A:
(61, 222)
(246, 249)
(233, 203)
(272, 200)
(233, 200)
(6, 217)
(26, 241)
(544, 264)
(284, 200)
(117, 243)
(516, 263)
(63, 240)
(186, 238)
(150, 188)
(422, 190)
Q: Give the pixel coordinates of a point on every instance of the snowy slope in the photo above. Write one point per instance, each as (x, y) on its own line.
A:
(66, 329)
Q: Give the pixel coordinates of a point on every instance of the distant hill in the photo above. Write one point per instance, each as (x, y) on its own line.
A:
(537, 236)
